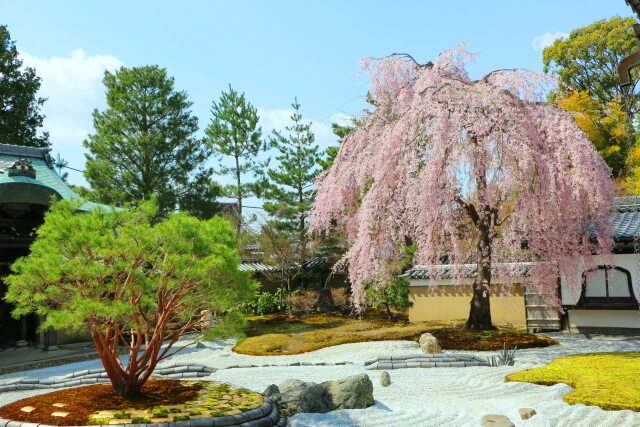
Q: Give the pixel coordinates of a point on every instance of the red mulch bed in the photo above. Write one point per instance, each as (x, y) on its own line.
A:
(83, 401)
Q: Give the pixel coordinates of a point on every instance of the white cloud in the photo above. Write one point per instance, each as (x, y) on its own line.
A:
(73, 88)
(278, 119)
(342, 119)
(546, 40)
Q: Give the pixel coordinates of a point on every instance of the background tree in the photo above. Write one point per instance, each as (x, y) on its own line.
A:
(341, 131)
(61, 164)
(20, 116)
(144, 145)
(281, 251)
(586, 64)
(234, 135)
(290, 191)
(134, 285)
(473, 168)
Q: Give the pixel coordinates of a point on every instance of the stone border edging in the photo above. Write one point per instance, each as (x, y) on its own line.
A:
(286, 365)
(265, 416)
(95, 376)
(437, 360)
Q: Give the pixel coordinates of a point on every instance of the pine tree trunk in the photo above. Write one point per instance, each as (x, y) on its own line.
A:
(480, 311)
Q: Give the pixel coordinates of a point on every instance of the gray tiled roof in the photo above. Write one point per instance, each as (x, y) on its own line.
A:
(626, 220)
(449, 271)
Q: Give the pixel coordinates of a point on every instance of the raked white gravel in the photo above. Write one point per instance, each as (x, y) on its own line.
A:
(416, 397)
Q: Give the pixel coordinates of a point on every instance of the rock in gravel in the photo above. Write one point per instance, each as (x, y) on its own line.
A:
(429, 344)
(385, 379)
(354, 392)
(526, 413)
(295, 396)
(298, 396)
(495, 420)
(271, 390)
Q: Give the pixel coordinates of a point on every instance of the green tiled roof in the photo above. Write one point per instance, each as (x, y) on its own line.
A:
(36, 190)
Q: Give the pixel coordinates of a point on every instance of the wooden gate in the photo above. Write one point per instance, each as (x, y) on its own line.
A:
(539, 316)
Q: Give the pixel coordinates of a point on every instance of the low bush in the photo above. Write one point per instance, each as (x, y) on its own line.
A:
(341, 297)
(303, 300)
(267, 303)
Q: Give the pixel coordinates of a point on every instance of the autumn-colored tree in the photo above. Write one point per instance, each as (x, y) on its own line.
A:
(133, 284)
(605, 125)
(481, 169)
(586, 65)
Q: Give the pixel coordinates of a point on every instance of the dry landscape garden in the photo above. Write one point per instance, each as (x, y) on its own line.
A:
(468, 254)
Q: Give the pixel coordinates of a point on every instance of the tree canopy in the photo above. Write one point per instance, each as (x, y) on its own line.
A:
(482, 170)
(586, 64)
(588, 60)
(234, 136)
(145, 147)
(20, 116)
(134, 284)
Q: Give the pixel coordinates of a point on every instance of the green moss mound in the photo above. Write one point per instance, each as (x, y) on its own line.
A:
(608, 380)
(279, 334)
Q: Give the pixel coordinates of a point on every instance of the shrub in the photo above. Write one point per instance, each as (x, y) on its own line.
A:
(340, 297)
(268, 302)
(303, 300)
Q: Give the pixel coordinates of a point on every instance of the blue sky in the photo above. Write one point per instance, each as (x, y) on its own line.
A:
(271, 50)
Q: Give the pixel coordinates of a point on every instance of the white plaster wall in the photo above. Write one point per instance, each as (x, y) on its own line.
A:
(604, 318)
(571, 294)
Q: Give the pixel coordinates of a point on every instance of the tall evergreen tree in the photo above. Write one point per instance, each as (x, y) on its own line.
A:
(20, 115)
(235, 137)
(290, 192)
(144, 145)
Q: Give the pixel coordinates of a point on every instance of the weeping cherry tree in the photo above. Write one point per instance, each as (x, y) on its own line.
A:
(480, 169)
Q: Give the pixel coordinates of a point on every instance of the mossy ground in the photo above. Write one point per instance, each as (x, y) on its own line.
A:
(278, 334)
(213, 400)
(607, 380)
(160, 401)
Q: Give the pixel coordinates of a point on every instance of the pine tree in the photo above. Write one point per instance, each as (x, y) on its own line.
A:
(144, 145)
(290, 192)
(20, 115)
(234, 135)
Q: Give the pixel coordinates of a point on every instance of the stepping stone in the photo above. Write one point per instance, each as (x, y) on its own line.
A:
(59, 405)
(27, 409)
(59, 414)
(495, 420)
(526, 413)
(120, 422)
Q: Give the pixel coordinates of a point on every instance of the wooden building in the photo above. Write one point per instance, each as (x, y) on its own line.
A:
(28, 185)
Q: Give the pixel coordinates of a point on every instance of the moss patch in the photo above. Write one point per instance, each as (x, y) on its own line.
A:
(161, 401)
(278, 334)
(607, 380)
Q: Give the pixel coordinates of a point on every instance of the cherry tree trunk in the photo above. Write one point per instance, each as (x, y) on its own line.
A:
(480, 311)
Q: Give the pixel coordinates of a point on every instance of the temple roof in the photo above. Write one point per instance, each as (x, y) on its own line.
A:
(27, 175)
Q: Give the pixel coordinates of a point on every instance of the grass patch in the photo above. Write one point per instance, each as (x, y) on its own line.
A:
(278, 334)
(607, 380)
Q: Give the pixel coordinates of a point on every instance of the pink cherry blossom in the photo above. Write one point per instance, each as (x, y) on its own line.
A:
(438, 146)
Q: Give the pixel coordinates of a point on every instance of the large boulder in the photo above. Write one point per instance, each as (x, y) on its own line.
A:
(354, 392)
(295, 396)
(298, 396)
(429, 344)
